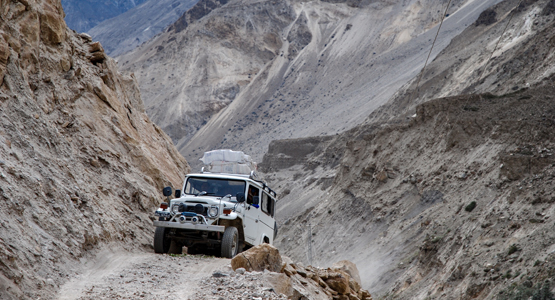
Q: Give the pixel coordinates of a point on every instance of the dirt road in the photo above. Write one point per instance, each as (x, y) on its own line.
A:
(124, 275)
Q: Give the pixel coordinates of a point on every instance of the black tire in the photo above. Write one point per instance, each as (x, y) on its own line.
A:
(230, 242)
(161, 242)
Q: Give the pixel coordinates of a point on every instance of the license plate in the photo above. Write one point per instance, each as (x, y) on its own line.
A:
(165, 214)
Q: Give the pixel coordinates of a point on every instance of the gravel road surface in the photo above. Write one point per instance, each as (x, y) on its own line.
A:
(124, 275)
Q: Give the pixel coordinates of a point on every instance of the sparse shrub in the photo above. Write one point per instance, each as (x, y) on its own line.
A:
(537, 263)
(526, 291)
(512, 249)
(508, 275)
(543, 293)
(436, 239)
(470, 207)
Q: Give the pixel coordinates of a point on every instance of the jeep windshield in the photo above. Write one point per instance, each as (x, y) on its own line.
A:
(214, 186)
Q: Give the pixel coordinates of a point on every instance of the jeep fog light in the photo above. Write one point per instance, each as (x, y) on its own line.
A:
(213, 212)
(182, 219)
(194, 220)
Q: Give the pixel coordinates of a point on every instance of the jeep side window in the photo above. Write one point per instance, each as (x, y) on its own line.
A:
(266, 204)
(253, 191)
(271, 206)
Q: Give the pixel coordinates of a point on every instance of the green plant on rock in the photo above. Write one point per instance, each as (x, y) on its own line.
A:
(512, 249)
(470, 207)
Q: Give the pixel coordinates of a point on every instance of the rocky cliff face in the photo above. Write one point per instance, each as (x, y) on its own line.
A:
(249, 72)
(82, 15)
(81, 164)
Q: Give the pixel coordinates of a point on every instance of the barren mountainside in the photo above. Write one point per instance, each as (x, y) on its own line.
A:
(456, 203)
(522, 35)
(130, 29)
(447, 198)
(81, 164)
(82, 15)
(249, 72)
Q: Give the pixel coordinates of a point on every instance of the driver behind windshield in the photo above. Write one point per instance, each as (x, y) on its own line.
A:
(205, 187)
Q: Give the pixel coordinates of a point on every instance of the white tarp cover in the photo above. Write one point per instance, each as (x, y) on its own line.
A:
(228, 161)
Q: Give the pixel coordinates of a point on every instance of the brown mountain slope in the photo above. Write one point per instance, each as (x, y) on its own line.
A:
(81, 164)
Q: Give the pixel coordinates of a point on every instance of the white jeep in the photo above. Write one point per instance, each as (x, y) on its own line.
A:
(221, 211)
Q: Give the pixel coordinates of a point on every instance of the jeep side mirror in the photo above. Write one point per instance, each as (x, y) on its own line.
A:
(167, 191)
(177, 193)
(240, 197)
(255, 200)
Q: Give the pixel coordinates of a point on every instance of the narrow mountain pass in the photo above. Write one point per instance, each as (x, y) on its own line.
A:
(140, 275)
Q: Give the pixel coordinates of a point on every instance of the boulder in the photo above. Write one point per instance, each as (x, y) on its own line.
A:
(365, 295)
(339, 282)
(259, 258)
(289, 270)
(95, 47)
(97, 57)
(280, 282)
(52, 28)
(349, 268)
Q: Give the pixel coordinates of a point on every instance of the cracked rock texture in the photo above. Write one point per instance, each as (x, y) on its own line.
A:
(81, 164)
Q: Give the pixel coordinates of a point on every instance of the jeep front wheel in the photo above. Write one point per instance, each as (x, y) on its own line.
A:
(161, 242)
(230, 242)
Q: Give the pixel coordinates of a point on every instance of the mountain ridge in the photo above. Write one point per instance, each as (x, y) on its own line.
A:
(294, 86)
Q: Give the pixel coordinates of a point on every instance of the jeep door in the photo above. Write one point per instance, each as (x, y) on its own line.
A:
(251, 226)
(266, 216)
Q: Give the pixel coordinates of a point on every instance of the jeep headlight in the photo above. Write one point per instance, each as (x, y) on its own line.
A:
(175, 208)
(213, 212)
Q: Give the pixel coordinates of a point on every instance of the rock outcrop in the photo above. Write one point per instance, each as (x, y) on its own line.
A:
(260, 258)
(295, 281)
(81, 164)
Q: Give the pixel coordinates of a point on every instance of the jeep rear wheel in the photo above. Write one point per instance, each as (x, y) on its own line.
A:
(230, 242)
(161, 242)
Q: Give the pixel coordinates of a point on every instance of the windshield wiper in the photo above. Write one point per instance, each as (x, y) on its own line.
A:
(203, 193)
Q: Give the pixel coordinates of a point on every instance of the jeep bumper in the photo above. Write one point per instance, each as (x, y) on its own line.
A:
(190, 226)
